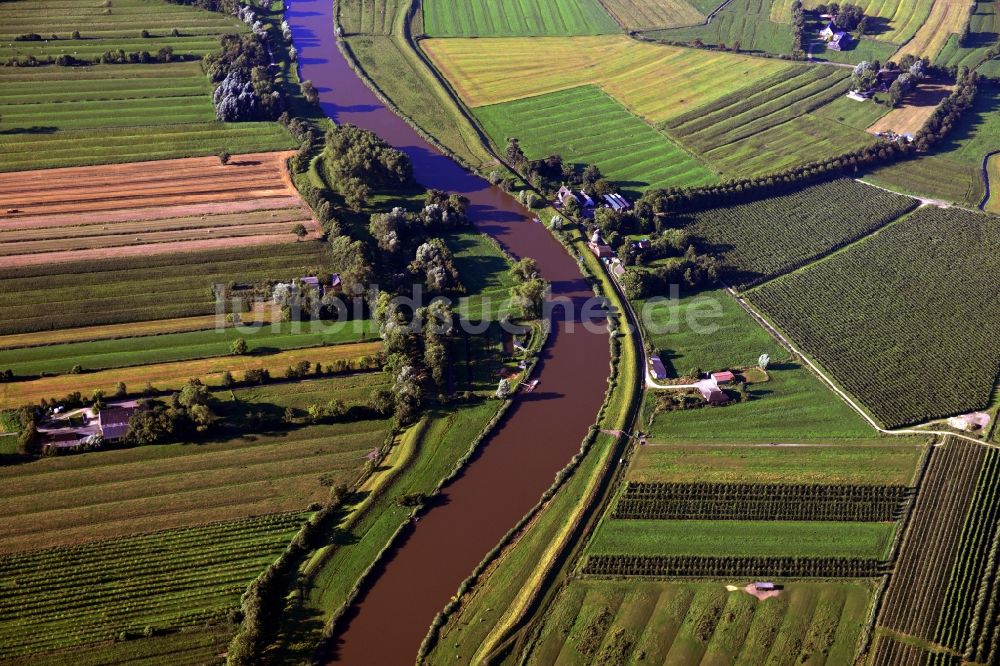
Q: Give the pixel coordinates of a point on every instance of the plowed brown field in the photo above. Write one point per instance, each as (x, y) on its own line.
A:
(145, 208)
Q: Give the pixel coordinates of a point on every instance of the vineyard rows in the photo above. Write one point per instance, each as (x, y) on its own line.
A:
(891, 322)
(64, 597)
(967, 621)
(919, 585)
(732, 567)
(890, 652)
(737, 501)
(764, 239)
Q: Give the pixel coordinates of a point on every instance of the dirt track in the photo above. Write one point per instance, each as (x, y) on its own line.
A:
(181, 195)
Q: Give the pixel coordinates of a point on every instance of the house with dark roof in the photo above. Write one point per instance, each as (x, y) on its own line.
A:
(113, 422)
(656, 368)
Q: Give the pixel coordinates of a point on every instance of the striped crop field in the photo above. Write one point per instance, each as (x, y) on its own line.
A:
(516, 18)
(984, 28)
(107, 494)
(920, 322)
(112, 24)
(141, 289)
(586, 126)
(898, 20)
(768, 125)
(656, 82)
(111, 332)
(171, 376)
(60, 598)
(53, 116)
(651, 14)
(92, 355)
(744, 24)
(147, 208)
(680, 622)
(68, 116)
(946, 18)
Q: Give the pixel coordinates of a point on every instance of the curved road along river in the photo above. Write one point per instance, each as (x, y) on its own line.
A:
(539, 435)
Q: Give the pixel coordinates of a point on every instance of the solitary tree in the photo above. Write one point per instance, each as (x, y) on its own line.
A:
(503, 389)
(763, 361)
(239, 347)
(224, 157)
(300, 231)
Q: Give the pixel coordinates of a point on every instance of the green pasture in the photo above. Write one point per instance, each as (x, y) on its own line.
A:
(586, 126)
(745, 23)
(516, 18)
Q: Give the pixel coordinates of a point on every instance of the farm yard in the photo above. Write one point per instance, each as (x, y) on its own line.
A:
(629, 152)
(903, 373)
(514, 18)
(140, 289)
(761, 240)
(70, 500)
(916, 108)
(172, 376)
(610, 621)
(166, 207)
(653, 14)
(655, 82)
(899, 19)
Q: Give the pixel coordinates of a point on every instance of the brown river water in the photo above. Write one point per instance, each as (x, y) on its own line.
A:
(538, 436)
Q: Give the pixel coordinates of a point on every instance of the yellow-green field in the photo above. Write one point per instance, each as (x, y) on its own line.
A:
(947, 17)
(647, 14)
(656, 82)
(993, 170)
(901, 19)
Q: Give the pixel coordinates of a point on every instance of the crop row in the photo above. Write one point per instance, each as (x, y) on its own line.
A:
(923, 344)
(966, 621)
(63, 597)
(720, 501)
(732, 567)
(763, 239)
(890, 652)
(919, 584)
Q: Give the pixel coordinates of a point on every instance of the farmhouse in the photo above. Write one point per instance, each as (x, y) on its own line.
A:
(597, 246)
(835, 38)
(113, 422)
(564, 195)
(711, 392)
(656, 368)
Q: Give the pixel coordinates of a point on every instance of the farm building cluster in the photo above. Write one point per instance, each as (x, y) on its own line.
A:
(709, 387)
(86, 428)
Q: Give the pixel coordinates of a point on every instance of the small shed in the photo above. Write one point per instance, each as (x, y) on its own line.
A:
(762, 586)
(310, 281)
(656, 368)
(724, 377)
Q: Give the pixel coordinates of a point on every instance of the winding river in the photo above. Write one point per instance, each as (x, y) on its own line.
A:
(538, 436)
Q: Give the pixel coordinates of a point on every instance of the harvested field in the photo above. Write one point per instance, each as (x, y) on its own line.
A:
(655, 81)
(946, 18)
(651, 14)
(915, 110)
(148, 208)
(171, 376)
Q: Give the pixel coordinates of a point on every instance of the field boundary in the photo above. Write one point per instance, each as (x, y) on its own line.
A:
(986, 179)
(785, 342)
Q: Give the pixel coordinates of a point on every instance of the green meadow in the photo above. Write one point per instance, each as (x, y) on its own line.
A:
(586, 126)
(516, 18)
